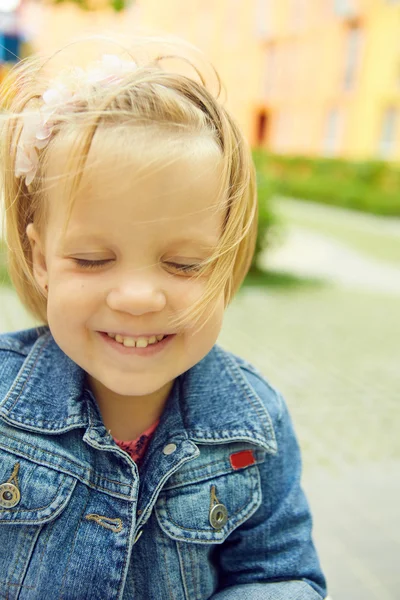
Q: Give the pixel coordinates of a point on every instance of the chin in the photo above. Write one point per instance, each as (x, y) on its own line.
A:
(135, 389)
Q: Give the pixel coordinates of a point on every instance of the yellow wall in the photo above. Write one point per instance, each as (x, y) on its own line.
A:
(282, 57)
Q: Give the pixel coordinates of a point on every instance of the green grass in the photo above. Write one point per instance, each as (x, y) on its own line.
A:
(381, 245)
(276, 280)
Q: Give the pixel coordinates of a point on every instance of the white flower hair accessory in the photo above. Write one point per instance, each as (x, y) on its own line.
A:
(63, 96)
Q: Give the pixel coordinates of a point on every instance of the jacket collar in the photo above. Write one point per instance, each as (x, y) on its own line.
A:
(215, 400)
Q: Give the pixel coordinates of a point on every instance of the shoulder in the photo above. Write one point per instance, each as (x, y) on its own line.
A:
(14, 348)
(247, 373)
(20, 342)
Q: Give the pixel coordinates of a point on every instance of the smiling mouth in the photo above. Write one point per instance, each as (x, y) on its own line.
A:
(138, 342)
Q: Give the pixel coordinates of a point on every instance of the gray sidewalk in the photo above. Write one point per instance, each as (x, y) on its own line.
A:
(334, 356)
(333, 351)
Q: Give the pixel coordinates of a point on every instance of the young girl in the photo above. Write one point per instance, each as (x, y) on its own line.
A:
(137, 458)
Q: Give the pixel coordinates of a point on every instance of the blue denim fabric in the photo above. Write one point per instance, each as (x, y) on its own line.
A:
(88, 527)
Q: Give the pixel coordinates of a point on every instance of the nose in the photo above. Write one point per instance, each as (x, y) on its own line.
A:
(137, 297)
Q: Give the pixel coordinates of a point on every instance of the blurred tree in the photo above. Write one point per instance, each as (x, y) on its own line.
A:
(116, 5)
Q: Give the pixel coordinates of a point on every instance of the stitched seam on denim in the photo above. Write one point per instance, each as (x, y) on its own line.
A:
(222, 471)
(9, 347)
(15, 566)
(128, 551)
(28, 587)
(253, 488)
(259, 408)
(183, 574)
(155, 494)
(57, 509)
(14, 510)
(26, 566)
(44, 541)
(54, 468)
(253, 509)
(251, 395)
(40, 557)
(166, 570)
(72, 420)
(16, 381)
(191, 551)
(72, 547)
(211, 476)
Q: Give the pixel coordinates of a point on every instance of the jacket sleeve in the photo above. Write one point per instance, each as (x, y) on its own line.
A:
(272, 556)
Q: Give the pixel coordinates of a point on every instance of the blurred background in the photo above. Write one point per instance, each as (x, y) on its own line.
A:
(315, 85)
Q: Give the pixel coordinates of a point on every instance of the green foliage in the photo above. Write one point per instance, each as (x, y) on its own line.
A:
(90, 5)
(4, 276)
(266, 219)
(369, 186)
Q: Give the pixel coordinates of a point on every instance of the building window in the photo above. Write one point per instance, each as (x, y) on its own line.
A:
(353, 52)
(387, 142)
(262, 125)
(333, 133)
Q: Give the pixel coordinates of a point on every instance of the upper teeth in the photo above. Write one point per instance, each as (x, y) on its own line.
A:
(140, 342)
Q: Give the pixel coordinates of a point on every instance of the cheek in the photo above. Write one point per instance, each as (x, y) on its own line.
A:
(68, 299)
(210, 323)
(185, 292)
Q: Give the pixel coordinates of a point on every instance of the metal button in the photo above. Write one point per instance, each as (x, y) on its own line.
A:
(169, 449)
(9, 495)
(218, 516)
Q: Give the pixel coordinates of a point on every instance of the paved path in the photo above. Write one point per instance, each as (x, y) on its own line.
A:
(334, 353)
(310, 254)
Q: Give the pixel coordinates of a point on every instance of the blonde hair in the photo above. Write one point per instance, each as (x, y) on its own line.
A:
(150, 96)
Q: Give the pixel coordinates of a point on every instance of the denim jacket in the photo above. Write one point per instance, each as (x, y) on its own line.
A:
(216, 512)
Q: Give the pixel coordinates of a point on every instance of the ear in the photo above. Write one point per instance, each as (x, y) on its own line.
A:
(38, 258)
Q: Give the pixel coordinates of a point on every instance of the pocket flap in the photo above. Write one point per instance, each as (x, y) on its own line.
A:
(41, 493)
(188, 513)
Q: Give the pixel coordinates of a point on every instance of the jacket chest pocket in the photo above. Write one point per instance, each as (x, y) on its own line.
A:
(200, 506)
(31, 496)
(207, 501)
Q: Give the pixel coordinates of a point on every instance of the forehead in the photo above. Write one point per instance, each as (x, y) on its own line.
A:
(131, 181)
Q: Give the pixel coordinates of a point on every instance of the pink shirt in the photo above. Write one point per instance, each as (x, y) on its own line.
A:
(137, 448)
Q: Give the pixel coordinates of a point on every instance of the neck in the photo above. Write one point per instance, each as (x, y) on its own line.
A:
(127, 417)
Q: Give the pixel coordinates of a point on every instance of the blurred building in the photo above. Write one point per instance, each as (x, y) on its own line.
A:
(319, 77)
(331, 78)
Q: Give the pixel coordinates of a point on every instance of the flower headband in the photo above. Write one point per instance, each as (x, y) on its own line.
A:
(64, 95)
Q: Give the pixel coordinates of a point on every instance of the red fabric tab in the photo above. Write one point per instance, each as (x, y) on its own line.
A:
(242, 459)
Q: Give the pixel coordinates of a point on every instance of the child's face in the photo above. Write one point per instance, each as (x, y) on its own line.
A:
(143, 227)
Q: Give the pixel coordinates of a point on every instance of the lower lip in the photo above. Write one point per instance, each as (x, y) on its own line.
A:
(150, 350)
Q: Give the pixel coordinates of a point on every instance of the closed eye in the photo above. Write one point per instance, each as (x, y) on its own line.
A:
(181, 268)
(191, 268)
(90, 264)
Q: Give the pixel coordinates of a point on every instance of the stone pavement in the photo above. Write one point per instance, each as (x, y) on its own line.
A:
(333, 351)
(334, 355)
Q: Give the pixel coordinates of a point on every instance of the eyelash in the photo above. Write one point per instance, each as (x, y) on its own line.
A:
(89, 264)
(93, 264)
